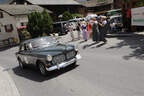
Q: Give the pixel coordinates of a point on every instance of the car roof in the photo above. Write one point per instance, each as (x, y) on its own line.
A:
(30, 40)
(116, 16)
(61, 22)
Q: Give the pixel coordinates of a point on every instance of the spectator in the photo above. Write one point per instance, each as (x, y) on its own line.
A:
(70, 27)
(84, 30)
(102, 28)
(95, 31)
(78, 30)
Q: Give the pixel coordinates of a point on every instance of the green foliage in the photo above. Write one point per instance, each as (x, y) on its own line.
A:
(47, 25)
(24, 35)
(125, 1)
(139, 4)
(39, 23)
(100, 0)
(35, 24)
(67, 16)
(77, 15)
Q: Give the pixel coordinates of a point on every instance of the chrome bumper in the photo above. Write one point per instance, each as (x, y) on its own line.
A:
(64, 64)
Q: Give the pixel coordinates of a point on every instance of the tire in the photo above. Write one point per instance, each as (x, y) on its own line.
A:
(21, 65)
(42, 69)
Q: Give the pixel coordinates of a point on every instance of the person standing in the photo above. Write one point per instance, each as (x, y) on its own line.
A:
(71, 31)
(128, 19)
(84, 30)
(95, 31)
(78, 30)
(102, 28)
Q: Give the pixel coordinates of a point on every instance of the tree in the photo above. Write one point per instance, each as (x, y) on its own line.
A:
(47, 22)
(35, 24)
(76, 15)
(101, 0)
(67, 16)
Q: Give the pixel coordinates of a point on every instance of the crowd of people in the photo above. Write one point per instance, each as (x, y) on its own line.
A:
(94, 28)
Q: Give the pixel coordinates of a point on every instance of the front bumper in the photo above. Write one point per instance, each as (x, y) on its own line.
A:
(64, 64)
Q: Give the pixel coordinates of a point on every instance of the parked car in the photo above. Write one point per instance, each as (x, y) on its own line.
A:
(116, 24)
(61, 27)
(113, 12)
(47, 54)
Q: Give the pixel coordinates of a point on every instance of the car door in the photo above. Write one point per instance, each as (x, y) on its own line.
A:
(29, 54)
(24, 54)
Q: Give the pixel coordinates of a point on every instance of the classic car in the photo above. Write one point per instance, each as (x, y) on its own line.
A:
(47, 54)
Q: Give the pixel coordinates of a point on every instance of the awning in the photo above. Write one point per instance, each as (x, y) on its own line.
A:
(22, 27)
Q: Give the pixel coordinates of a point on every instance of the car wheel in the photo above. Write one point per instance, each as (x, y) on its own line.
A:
(21, 65)
(42, 69)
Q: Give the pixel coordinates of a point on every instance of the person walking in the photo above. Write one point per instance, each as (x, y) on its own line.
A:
(84, 30)
(102, 28)
(95, 31)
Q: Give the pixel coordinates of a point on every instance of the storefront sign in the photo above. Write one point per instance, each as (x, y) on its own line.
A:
(137, 16)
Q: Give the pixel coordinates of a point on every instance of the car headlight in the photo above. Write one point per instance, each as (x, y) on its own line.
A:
(49, 58)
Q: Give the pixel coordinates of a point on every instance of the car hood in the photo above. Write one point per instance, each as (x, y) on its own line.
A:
(54, 50)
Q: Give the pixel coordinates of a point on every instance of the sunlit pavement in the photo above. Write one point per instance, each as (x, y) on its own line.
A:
(111, 69)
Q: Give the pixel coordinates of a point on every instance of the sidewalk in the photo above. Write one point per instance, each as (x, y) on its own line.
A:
(7, 85)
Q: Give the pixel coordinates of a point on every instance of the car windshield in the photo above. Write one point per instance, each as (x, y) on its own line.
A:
(43, 42)
(116, 20)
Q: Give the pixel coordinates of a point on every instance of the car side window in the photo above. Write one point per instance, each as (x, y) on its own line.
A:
(25, 48)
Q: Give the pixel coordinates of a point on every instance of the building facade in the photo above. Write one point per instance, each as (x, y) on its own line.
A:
(14, 16)
(7, 26)
(96, 6)
(56, 6)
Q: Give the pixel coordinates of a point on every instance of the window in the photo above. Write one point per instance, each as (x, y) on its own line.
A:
(23, 23)
(8, 28)
(1, 15)
(21, 48)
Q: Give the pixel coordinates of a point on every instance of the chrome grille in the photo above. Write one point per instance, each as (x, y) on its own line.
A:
(58, 59)
(70, 54)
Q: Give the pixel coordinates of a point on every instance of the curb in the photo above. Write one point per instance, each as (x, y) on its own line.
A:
(8, 87)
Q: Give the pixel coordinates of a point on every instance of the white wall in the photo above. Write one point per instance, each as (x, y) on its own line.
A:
(7, 19)
(20, 19)
(138, 16)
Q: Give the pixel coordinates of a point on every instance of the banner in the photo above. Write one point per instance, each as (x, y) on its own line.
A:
(137, 16)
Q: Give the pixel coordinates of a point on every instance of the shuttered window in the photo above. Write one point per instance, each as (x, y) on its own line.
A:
(8, 28)
(1, 14)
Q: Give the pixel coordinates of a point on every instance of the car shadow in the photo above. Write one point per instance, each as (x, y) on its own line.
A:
(33, 74)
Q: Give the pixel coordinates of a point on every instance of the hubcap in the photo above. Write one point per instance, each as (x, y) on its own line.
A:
(20, 64)
(42, 69)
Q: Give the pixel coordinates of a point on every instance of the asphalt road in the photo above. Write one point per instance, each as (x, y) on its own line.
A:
(112, 69)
